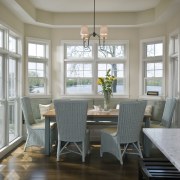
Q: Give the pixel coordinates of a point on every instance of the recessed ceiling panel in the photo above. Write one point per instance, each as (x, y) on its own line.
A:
(101, 5)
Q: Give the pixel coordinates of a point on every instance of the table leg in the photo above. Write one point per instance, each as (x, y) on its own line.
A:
(47, 136)
(146, 141)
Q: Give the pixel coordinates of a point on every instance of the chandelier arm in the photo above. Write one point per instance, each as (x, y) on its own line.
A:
(102, 44)
(94, 34)
(86, 43)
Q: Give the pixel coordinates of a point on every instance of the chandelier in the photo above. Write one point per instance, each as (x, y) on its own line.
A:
(102, 36)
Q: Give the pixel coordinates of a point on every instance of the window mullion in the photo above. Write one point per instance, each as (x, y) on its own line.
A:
(95, 68)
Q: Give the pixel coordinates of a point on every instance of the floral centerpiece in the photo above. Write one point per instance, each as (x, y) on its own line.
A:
(106, 84)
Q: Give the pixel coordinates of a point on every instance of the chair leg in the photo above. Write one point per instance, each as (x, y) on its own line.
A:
(140, 152)
(119, 154)
(83, 151)
(88, 144)
(58, 150)
(140, 175)
(25, 146)
(101, 153)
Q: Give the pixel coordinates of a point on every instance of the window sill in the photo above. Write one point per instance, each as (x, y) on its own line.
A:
(151, 97)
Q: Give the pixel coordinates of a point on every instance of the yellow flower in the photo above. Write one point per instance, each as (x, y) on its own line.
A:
(100, 81)
(106, 82)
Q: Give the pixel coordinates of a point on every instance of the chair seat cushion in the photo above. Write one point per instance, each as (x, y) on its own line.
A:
(41, 125)
(112, 131)
(156, 124)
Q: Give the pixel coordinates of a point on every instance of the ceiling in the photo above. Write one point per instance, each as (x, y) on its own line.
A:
(74, 13)
(101, 5)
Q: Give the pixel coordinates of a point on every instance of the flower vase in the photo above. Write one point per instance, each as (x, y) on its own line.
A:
(107, 98)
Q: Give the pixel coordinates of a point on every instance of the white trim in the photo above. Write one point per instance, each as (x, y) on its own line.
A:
(47, 61)
(17, 57)
(94, 64)
(143, 59)
(84, 96)
(5, 150)
(152, 97)
(170, 57)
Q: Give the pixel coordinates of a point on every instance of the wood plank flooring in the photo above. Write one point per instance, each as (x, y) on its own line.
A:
(34, 165)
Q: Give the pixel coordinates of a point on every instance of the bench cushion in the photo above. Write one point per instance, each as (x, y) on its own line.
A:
(35, 105)
(41, 125)
(45, 108)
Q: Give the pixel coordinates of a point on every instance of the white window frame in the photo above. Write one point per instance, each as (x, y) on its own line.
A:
(94, 66)
(47, 63)
(174, 72)
(174, 56)
(5, 100)
(143, 60)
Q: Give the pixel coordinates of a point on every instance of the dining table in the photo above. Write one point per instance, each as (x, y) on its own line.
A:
(95, 117)
(167, 140)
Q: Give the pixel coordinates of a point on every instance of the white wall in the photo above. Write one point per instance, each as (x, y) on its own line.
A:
(130, 34)
(8, 19)
(134, 35)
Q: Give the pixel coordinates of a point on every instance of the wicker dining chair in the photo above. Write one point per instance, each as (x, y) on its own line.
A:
(117, 140)
(35, 129)
(71, 116)
(167, 116)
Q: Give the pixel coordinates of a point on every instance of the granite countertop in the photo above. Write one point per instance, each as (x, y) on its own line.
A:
(168, 141)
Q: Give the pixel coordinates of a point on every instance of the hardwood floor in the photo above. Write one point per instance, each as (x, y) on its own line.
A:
(34, 165)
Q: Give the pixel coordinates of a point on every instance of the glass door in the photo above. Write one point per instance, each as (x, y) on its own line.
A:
(2, 107)
(12, 99)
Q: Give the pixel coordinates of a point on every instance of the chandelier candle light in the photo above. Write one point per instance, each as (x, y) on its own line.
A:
(86, 36)
(106, 84)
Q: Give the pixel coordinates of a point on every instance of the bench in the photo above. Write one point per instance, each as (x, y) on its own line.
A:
(153, 169)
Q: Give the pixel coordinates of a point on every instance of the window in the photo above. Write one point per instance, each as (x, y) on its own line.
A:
(10, 61)
(36, 50)
(13, 120)
(1, 38)
(1, 77)
(2, 124)
(38, 67)
(174, 79)
(84, 66)
(12, 78)
(78, 78)
(12, 44)
(174, 67)
(2, 108)
(152, 65)
(154, 50)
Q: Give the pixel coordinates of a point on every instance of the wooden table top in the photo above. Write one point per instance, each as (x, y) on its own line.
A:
(91, 113)
(94, 113)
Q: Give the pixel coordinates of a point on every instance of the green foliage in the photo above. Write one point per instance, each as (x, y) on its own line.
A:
(106, 82)
(75, 82)
(35, 81)
(154, 82)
